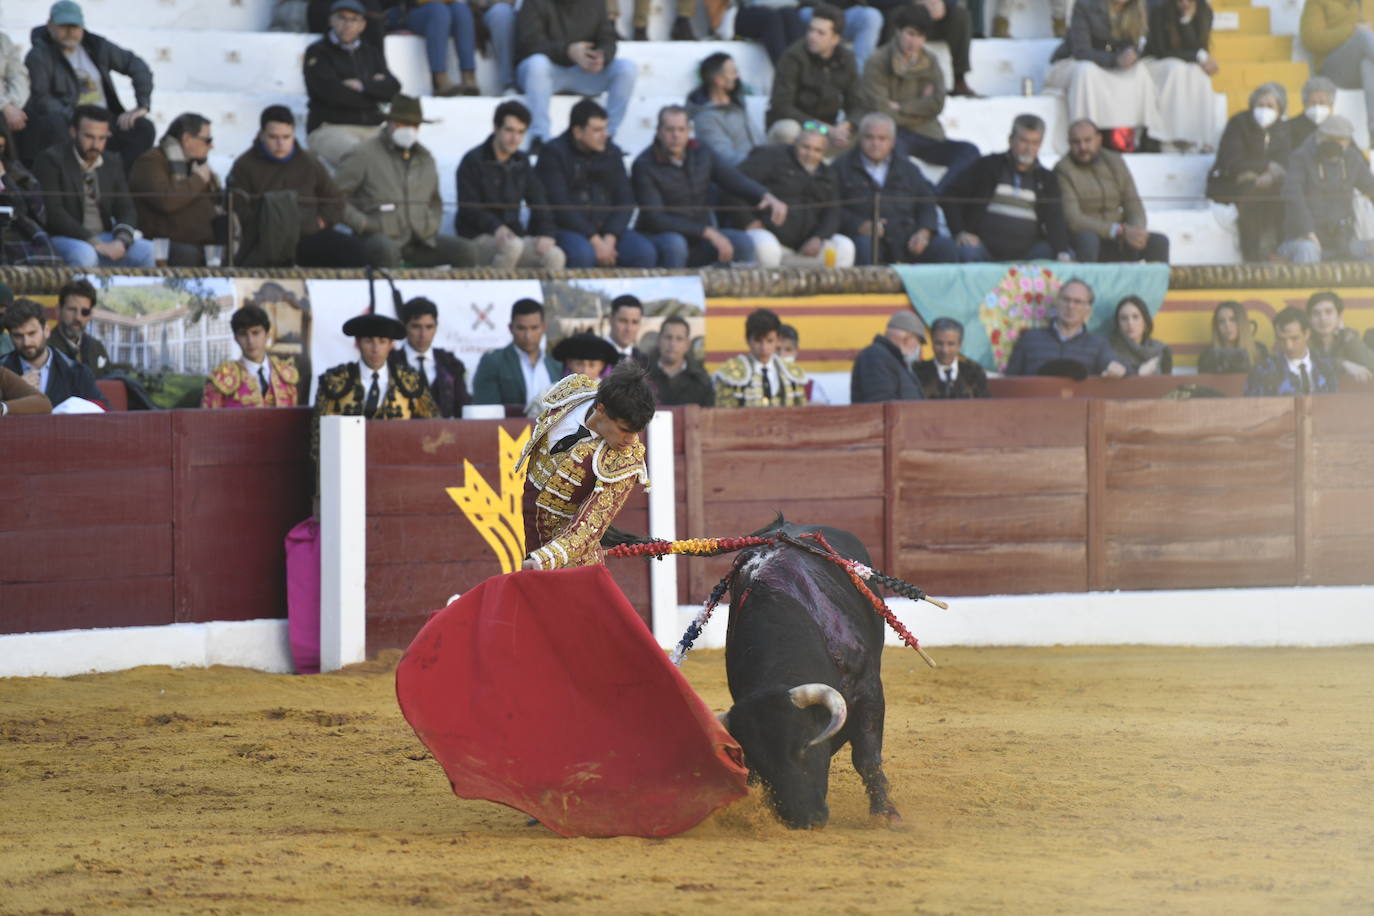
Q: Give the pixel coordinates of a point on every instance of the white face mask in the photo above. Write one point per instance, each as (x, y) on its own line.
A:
(1265, 116)
(405, 137)
(1186, 19)
(1318, 113)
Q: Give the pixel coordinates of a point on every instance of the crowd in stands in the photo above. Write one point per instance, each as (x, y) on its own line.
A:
(835, 179)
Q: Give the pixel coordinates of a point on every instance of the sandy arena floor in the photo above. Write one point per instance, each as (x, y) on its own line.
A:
(1095, 780)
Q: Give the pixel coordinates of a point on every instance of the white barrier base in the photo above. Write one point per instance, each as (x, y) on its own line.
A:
(1201, 617)
(261, 644)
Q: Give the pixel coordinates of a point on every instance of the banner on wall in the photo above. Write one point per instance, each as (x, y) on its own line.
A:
(996, 302)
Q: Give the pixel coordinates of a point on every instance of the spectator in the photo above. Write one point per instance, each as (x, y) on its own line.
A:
(1249, 170)
(43, 367)
(441, 372)
(789, 345)
(178, 195)
(717, 107)
(1006, 206)
(758, 378)
(286, 203)
(1133, 342)
(1341, 43)
(519, 373)
(882, 370)
(23, 237)
(75, 302)
(570, 45)
(1333, 341)
(1182, 69)
(775, 24)
(1318, 97)
(950, 374)
(673, 178)
(439, 22)
(494, 179)
(18, 397)
(682, 24)
(1318, 197)
(627, 314)
(808, 235)
(951, 23)
(91, 219)
(816, 86)
(907, 228)
(676, 378)
(1098, 69)
(374, 33)
(255, 379)
(392, 187)
(863, 26)
(904, 81)
(586, 354)
(1066, 339)
(1292, 368)
(348, 82)
(1233, 349)
(70, 68)
(6, 300)
(584, 175)
(369, 387)
(1101, 205)
(14, 85)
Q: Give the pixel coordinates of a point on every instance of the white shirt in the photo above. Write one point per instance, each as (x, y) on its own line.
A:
(413, 359)
(948, 374)
(876, 170)
(625, 352)
(252, 369)
(365, 373)
(537, 379)
(25, 366)
(1295, 367)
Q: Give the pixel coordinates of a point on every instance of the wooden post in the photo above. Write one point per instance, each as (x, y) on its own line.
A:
(1097, 577)
(892, 416)
(695, 496)
(1303, 483)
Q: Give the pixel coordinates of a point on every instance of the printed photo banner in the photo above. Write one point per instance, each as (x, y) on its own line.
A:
(996, 302)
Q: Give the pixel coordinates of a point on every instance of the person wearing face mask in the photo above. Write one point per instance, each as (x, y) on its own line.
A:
(1178, 58)
(348, 82)
(1341, 42)
(1318, 195)
(1006, 206)
(882, 370)
(176, 193)
(1249, 170)
(1318, 97)
(392, 187)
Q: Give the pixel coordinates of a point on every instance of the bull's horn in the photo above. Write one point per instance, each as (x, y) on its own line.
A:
(821, 695)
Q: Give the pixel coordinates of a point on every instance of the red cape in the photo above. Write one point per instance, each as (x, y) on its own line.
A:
(545, 691)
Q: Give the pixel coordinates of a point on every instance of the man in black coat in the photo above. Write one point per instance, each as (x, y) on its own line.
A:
(69, 66)
(441, 372)
(42, 366)
(882, 370)
(493, 180)
(676, 173)
(91, 218)
(583, 173)
(949, 374)
(348, 83)
(1006, 206)
(675, 378)
(907, 227)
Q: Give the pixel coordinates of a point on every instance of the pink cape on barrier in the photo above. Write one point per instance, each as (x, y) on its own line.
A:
(544, 691)
(303, 595)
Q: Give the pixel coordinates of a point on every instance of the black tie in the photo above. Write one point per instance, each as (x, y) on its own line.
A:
(947, 385)
(423, 378)
(374, 395)
(571, 439)
(767, 386)
(1306, 379)
(262, 380)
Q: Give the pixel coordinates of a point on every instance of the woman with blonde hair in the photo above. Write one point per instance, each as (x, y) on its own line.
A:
(1098, 68)
(1233, 348)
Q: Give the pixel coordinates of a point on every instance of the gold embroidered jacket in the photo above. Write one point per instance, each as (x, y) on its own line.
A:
(740, 384)
(340, 393)
(572, 497)
(230, 385)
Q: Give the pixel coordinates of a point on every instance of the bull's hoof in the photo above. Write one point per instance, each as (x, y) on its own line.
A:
(888, 817)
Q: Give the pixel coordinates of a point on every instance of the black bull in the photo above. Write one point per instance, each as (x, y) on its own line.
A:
(803, 654)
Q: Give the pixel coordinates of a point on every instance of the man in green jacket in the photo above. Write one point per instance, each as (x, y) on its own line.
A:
(1105, 216)
(816, 85)
(392, 189)
(519, 373)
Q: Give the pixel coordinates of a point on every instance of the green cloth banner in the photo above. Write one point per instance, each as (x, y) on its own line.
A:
(996, 301)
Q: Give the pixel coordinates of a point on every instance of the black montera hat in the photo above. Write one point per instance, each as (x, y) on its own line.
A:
(374, 326)
(586, 346)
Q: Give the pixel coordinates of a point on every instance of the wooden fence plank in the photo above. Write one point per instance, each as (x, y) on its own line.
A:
(1097, 505)
(1242, 562)
(1343, 560)
(1168, 466)
(1342, 463)
(1343, 512)
(992, 471)
(123, 496)
(72, 445)
(1183, 514)
(792, 427)
(78, 604)
(89, 554)
(735, 476)
(997, 569)
(932, 521)
(1202, 420)
(1030, 424)
(1343, 418)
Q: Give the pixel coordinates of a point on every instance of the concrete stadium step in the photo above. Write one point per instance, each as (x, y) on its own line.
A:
(1169, 182)
(986, 123)
(104, 15)
(1244, 20)
(1202, 236)
(1236, 48)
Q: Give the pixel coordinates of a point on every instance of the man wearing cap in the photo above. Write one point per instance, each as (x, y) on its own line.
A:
(255, 379)
(520, 372)
(392, 188)
(1318, 194)
(882, 370)
(369, 387)
(348, 83)
(586, 354)
(627, 314)
(278, 175)
(69, 67)
(950, 375)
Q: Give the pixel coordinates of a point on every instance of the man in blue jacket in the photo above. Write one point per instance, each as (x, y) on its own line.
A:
(583, 173)
(42, 366)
